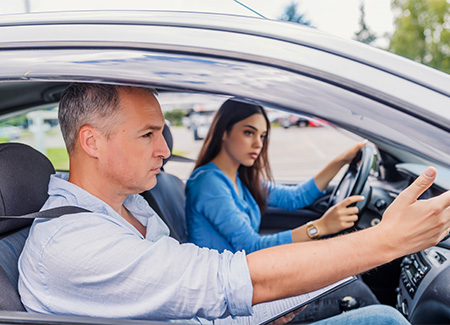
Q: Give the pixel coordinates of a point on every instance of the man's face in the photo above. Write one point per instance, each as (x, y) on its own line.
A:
(132, 157)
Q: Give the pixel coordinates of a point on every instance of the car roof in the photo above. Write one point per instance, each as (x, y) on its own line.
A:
(279, 64)
(285, 31)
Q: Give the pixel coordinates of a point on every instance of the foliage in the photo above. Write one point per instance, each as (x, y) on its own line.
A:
(19, 120)
(291, 14)
(59, 158)
(175, 116)
(364, 35)
(422, 31)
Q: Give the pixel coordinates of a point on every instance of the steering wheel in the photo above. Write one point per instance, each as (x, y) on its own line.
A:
(354, 182)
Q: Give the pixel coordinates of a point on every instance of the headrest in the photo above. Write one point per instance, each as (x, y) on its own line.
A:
(169, 140)
(24, 178)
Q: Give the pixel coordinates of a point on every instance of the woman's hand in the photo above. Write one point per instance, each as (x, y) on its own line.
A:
(332, 168)
(347, 156)
(339, 216)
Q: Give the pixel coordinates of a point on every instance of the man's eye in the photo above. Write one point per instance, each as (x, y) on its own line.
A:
(147, 135)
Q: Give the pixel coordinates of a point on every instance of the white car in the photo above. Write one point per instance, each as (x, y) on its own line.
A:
(400, 106)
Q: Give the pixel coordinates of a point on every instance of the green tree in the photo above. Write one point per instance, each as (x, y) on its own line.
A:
(422, 31)
(364, 35)
(175, 116)
(291, 14)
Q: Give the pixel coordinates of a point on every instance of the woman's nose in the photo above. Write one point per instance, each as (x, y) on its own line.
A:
(258, 143)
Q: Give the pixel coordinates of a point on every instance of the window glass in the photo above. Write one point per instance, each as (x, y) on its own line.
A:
(299, 146)
(40, 129)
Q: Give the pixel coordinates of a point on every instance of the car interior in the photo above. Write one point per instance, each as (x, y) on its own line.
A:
(24, 174)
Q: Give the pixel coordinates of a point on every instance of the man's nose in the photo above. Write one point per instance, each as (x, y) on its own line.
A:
(162, 149)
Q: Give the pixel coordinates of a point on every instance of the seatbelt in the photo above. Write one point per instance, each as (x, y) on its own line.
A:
(50, 213)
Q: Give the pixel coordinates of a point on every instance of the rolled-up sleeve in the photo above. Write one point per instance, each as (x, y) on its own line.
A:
(236, 280)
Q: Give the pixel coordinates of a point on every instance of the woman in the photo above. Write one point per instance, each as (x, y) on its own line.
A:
(231, 186)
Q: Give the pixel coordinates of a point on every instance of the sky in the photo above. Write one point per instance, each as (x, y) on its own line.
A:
(338, 17)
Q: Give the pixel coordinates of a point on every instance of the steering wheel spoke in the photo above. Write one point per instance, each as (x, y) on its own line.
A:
(354, 181)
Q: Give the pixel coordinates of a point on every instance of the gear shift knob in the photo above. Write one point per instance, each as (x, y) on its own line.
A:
(348, 303)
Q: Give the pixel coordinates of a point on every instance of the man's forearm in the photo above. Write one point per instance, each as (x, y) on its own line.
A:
(408, 225)
(293, 269)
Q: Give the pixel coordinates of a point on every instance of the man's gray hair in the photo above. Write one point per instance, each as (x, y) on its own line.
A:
(97, 105)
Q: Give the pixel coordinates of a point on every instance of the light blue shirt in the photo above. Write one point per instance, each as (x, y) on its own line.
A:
(218, 217)
(98, 264)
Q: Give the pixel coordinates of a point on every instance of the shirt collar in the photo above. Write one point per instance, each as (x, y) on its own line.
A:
(75, 195)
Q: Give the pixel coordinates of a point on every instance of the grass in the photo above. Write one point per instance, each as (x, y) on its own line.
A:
(59, 158)
(179, 153)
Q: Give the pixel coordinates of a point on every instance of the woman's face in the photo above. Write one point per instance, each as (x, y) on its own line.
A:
(244, 142)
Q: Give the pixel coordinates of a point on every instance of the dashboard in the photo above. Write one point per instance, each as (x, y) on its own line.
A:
(423, 292)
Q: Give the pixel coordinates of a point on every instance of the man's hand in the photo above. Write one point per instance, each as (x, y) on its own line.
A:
(408, 225)
(414, 224)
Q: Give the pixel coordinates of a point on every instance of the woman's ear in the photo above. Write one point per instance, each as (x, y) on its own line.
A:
(88, 140)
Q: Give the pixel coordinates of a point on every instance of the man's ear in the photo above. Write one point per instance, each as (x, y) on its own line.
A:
(88, 137)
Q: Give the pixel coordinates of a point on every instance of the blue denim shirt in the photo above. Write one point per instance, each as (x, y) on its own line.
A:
(98, 264)
(219, 217)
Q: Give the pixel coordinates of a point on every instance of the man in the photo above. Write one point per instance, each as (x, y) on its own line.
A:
(118, 261)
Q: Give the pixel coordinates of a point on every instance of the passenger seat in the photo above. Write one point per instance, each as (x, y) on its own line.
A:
(167, 198)
(24, 177)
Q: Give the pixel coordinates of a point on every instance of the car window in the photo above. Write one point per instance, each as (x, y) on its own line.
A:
(39, 129)
(297, 151)
(300, 146)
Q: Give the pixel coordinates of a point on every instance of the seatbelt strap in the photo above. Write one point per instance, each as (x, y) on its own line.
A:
(50, 213)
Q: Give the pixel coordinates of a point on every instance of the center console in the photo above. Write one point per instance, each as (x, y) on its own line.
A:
(423, 294)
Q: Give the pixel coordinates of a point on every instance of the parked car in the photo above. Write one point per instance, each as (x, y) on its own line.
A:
(288, 120)
(400, 106)
(199, 122)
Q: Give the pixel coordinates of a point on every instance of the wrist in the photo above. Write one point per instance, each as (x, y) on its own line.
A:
(390, 250)
(339, 161)
(312, 230)
(321, 224)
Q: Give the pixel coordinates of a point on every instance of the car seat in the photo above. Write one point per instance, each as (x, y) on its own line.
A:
(167, 198)
(24, 177)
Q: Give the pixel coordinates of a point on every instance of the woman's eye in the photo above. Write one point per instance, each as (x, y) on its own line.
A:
(248, 132)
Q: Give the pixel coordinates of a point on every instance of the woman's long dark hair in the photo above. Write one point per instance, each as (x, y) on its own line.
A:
(230, 113)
